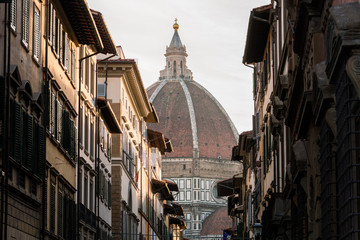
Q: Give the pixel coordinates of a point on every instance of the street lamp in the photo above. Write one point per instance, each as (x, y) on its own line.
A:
(257, 227)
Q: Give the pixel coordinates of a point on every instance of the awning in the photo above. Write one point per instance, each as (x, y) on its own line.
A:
(174, 209)
(171, 185)
(109, 46)
(177, 221)
(157, 185)
(169, 209)
(178, 209)
(161, 187)
(257, 35)
(225, 187)
(108, 116)
(157, 140)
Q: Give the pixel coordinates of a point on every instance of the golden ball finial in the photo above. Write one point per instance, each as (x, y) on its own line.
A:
(176, 25)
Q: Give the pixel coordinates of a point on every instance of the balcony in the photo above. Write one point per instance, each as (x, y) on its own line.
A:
(87, 216)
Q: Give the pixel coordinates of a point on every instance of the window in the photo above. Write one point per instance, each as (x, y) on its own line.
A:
(174, 68)
(86, 190)
(202, 184)
(92, 139)
(181, 183)
(188, 216)
(188, 195)
(36, 36)
(52, 203)
(33, 187)
(86, 130)
(72, 65)
(60, 212)
(207, 196)
(25, 22)
(13, 14)
(202, 196)
(21, 179)
(80, 186)
(182, 196)
(91, 205)
(92, 79)
(207, 184)
(80, 133)
(87, 71)
(188, 183)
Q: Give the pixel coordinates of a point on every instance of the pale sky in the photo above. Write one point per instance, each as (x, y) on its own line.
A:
(213, 31)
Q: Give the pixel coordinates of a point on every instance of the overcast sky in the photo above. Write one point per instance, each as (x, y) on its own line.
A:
(213, 31)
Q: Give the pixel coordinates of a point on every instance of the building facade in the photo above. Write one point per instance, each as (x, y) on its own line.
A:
(305, 105)
(49, 182)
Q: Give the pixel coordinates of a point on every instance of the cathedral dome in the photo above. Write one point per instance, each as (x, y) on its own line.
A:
(189, 115)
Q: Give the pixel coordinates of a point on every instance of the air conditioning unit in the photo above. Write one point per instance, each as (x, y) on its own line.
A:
(101, 90)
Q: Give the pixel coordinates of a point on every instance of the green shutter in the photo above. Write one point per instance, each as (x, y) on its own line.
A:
(2, 109)
(52, 208)
(58, 120)
(41, 151)
(29, 141)
(72, 139)
(35, 153)
(18, 143)
(60, 214)
(66, 130)
(109, 193)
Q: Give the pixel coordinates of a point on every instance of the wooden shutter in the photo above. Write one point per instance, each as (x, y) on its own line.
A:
(73, 65)
(67, 52)
(59, 123)
(52, 113)
(29, 141)
(66, 130)
(72, 139)
(2, 109)
(18, 143)
(60, 214)
(25, 22)
(61, 36)
(36, 37)
(109, 193)
(41, 151)
(13, 14)
(52, 208)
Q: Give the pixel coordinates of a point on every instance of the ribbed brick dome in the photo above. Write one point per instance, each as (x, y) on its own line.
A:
(193, 119)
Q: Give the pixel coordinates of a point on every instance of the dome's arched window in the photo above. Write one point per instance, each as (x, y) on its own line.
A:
(181, 68)
(174, 68)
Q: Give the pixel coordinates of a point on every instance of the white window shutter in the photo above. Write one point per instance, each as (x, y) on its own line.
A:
(59, 110)
(67, 51)
(13, 14)
(25, 22)
(73, 65)
(61, 56)
(36, 37)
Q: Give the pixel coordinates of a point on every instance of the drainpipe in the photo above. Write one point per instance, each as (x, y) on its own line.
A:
(46, 117)
(4, 175)
(97, 149)
(78, 148)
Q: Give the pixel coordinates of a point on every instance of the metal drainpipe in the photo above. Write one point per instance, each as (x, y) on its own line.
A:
(4, 175)
(97, 150)
(78, 148)
(46, 116)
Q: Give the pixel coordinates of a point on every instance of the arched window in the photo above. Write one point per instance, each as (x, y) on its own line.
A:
(181, 68)
(174, 68)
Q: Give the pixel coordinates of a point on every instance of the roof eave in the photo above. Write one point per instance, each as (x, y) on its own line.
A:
(108, 115)
(82, 22)
(257, 35)
(109, 45)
